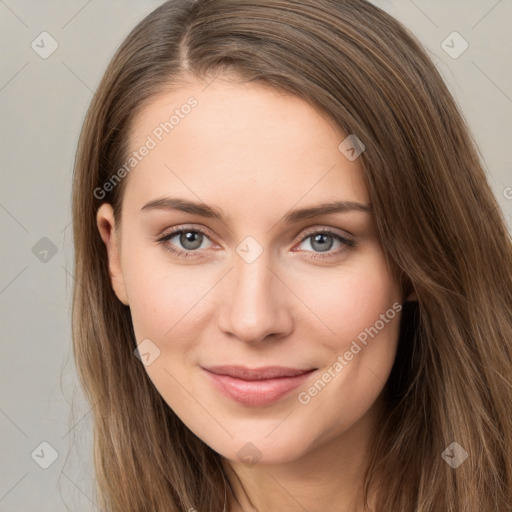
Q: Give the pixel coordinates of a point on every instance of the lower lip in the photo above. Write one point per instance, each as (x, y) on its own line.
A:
(256, 393)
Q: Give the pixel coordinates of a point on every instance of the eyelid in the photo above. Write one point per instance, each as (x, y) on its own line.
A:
(325, 229)
(176, 230)
(185, 227)
(304, 232)
(347, 239)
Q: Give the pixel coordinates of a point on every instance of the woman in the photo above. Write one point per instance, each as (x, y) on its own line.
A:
(296, 284)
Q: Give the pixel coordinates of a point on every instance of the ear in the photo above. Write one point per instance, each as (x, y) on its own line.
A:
(408, 289)
(411, 297)
(107, 228)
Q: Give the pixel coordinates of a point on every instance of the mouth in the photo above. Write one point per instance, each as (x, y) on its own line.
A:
(259, 386)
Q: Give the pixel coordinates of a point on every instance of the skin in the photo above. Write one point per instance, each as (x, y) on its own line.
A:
(257, 153)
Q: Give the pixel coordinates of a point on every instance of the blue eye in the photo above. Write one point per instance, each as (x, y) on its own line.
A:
(323, 240)
(188, 238)
(191, 240)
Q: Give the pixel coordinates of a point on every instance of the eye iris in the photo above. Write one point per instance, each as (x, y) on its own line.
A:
(323, 247)
(191, 237)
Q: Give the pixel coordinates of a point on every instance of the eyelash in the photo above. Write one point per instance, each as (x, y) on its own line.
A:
(347, 242)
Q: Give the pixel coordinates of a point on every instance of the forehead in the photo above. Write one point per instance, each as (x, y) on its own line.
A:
(226, 140)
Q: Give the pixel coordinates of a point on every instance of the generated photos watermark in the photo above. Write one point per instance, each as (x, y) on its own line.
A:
(343, 360)
(157, 135)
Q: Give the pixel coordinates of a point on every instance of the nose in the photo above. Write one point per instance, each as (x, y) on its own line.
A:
(256, 307)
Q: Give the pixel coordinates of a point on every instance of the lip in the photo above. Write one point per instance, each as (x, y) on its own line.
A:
(259, 386)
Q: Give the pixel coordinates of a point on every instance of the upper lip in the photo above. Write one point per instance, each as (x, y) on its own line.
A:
(264, 372)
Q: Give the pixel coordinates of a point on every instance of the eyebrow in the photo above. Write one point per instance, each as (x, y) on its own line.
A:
(187, 206)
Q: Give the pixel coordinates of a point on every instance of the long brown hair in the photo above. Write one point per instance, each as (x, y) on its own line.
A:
(436, 217)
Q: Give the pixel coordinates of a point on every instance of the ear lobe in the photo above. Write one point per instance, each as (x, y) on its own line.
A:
(411, 297)
(106, 226)
(407, 288)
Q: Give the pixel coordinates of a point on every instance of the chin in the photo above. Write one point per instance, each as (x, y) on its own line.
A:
(262, 449)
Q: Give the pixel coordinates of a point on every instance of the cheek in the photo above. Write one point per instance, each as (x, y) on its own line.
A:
(165, 301)
(341, 304)
(163, 296)
(351, 301)
(361, 307)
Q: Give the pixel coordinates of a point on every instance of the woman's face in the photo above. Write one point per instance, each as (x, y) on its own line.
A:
(265, 283)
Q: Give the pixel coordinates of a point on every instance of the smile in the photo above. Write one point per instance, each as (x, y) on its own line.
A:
(256, 387)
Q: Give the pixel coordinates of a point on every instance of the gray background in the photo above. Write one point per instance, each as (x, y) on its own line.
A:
(42, 106)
